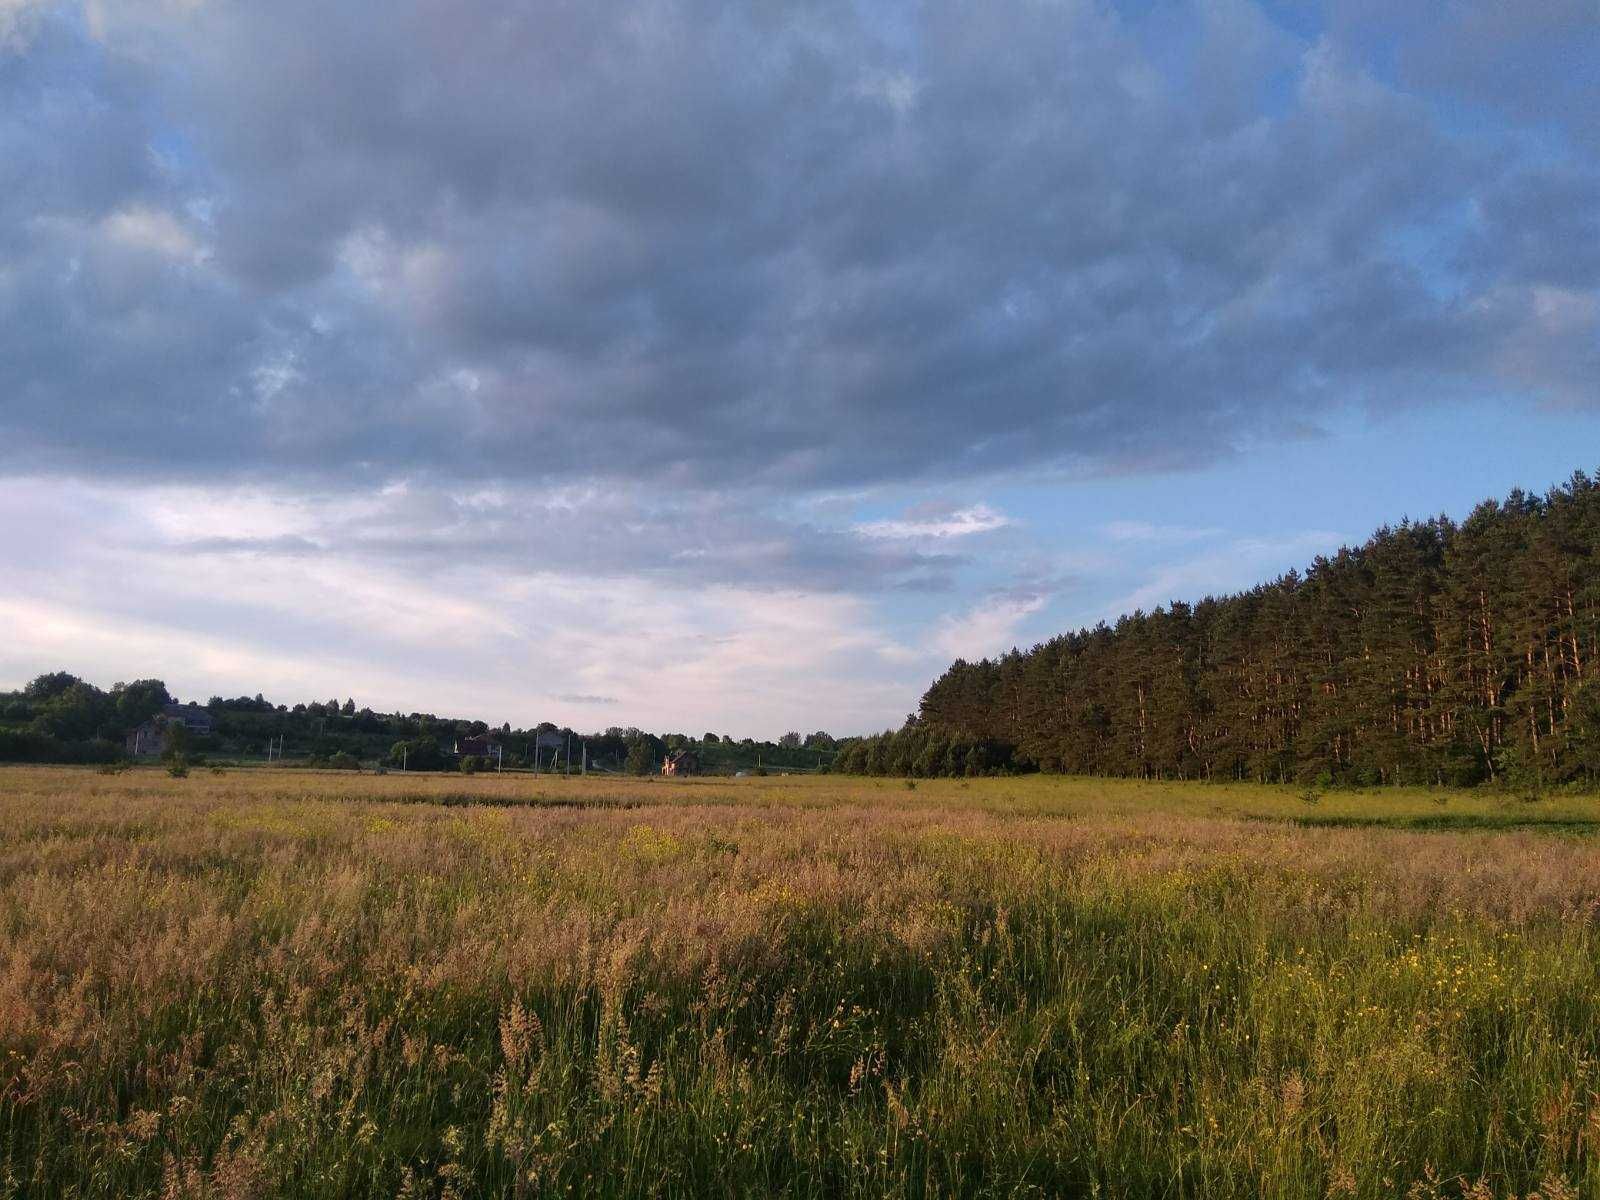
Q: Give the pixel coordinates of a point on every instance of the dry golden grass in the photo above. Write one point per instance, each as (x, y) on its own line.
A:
(286, 983)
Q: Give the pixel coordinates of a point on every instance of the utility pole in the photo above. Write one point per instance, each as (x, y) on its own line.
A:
(585, 769)
(405, 753)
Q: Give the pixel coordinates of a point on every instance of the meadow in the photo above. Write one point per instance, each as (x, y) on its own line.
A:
(285, 983)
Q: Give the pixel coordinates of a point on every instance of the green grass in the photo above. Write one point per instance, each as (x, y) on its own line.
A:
(316, 985)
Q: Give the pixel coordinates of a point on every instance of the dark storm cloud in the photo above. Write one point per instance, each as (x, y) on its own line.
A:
(771, 247)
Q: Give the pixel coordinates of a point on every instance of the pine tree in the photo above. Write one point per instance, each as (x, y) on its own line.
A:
(1435, 652)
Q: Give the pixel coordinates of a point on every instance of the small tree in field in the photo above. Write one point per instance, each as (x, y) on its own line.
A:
(175, 742)
(641, 759)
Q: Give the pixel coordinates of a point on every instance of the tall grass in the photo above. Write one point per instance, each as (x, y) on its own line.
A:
(267, 984)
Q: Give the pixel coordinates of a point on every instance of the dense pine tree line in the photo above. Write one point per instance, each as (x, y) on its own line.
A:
(1436, 653)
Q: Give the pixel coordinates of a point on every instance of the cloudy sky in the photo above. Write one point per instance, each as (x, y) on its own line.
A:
(735, 366)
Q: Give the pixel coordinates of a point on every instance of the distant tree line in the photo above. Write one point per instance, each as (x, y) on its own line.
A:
(60, 718)
(1435, 653)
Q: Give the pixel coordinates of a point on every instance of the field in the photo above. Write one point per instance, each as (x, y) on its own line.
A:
(287, 983)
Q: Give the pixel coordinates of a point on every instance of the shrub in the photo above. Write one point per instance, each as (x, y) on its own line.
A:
(417, 754)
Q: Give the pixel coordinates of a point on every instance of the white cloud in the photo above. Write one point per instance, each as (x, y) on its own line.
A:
(1243, 563)
(961, 522)
(108, 19)
(1144, 531)
(989, 627)
(487, 639)
(150, 229)
(16, 22)
(896, 89)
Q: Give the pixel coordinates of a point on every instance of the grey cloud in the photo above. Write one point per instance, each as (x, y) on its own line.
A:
(727, 252)
(689, 541)
(1541, 225)
(287, 545)
(1534, 64)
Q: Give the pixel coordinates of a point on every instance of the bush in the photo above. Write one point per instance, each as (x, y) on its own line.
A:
(178, 768)
(469, 765)
(417, 754)
(26, 745)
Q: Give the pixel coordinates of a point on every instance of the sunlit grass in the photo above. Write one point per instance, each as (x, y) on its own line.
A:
(307, 984)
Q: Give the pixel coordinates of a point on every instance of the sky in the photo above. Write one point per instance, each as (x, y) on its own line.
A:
(734, 368)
